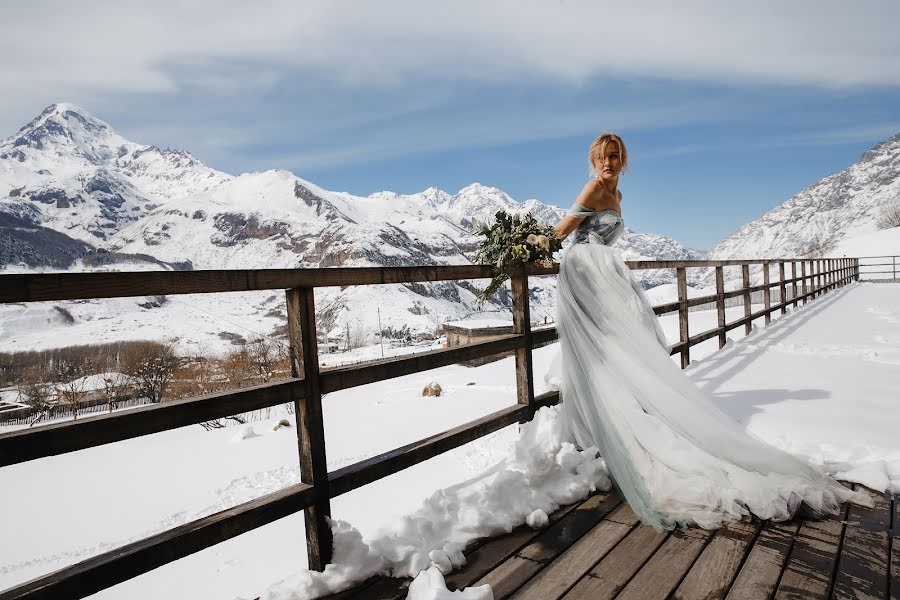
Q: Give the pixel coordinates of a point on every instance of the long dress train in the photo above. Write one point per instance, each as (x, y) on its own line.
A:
(675, 458)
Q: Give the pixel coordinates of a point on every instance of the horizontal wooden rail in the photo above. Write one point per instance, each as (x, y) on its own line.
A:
(46, 287)
(73, 286)
(674, 264)
(680, 347)
(543, 336)
(59, 438)
(375, 468)
(341, 378)
(110, 568)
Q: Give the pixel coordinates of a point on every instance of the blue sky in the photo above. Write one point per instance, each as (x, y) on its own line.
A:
(728, 109)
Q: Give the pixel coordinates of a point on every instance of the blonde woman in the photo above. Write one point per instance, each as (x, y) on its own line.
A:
(673, 455)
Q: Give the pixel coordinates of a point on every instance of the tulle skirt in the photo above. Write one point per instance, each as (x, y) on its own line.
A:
(674, 457)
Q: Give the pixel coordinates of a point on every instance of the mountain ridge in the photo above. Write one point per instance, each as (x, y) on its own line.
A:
(85, 190)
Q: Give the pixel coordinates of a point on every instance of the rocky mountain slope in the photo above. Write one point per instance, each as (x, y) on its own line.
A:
(843, 205)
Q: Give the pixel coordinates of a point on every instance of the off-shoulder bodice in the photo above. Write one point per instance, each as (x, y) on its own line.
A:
(601, 227)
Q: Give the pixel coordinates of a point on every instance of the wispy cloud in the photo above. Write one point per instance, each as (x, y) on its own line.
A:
(864, 133)
(143, 47)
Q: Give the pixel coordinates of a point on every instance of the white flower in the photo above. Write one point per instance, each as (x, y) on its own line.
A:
(533, 239)
(543, 241)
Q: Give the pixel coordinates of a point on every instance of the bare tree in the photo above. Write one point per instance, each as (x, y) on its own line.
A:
(262, 354)
(71, 377)
(238, 367)
(266, 354)
(115, 389)
(890, 215)
(37, 392)
(357, 334)
(151, 366)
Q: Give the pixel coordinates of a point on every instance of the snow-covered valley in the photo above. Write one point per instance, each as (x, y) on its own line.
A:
(75, 196)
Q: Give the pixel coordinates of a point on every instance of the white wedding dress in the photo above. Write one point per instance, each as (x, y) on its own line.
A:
(673, 456)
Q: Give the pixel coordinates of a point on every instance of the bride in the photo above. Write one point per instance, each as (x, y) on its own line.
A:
(674, 457)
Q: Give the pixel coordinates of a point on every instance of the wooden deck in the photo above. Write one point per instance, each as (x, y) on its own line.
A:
(597, 549)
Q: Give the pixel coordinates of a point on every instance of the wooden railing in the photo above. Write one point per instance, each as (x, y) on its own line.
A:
(307, 384)
(870, 266)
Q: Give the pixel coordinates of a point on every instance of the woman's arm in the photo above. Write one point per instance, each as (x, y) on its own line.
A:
(568, 224)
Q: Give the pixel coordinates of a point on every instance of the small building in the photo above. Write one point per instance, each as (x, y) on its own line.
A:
(478, 330)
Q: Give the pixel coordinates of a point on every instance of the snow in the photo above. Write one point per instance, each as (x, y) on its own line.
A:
(820, 382)
(95, 382)
(430, 585)
(538, 519)
(540, 472)
(879, 253)
(837, 208)
(128, 198)
(817, 382)
(481, 323)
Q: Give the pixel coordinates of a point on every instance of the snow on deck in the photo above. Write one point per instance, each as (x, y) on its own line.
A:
(821, 382)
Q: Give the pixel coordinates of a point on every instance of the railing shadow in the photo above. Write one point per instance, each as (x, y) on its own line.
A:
(707, 374)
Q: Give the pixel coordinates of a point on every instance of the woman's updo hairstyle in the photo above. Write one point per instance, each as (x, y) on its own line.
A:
(599, 145)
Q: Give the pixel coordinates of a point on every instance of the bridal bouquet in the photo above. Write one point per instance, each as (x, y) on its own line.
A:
(510, 241)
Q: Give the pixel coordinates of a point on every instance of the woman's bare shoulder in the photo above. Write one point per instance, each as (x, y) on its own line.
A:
(591, 194)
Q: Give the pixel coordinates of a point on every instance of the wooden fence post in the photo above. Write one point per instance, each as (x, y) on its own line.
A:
(720, 305)
(894, 262)
(823, 284)
(823, 276)
(745, 271)
(767, 294)
(684, 336)
(783, 287)
(856, 268)
(814, 279)
(304, 351)
(794, 282)
(803, 278)
(522, 324)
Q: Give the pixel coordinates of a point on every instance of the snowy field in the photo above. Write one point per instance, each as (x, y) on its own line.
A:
(820, 382)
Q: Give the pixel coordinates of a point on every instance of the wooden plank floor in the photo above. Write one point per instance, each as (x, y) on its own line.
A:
(598, 549)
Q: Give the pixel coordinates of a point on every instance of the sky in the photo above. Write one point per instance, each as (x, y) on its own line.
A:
(727, 109)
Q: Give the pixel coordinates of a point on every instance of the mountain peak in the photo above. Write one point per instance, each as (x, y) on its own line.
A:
(888, 147)
(67, 128)
(66, 114)
(479, 188)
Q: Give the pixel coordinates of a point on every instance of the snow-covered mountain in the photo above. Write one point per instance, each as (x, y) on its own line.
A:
(70, 187)
(68, 171)
(842, 205)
